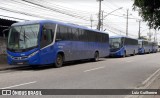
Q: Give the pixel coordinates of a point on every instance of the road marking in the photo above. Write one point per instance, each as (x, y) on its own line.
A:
(151, 78)
(145, 84)
(94, 69)
(18, 85)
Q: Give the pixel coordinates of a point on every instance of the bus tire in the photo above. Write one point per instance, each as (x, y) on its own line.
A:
(59, 60)
(96, 56)
(134, 53)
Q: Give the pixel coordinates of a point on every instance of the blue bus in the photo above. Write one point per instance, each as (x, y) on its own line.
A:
(144, 46)
(51, 42)
(121, 46)
(154, 47)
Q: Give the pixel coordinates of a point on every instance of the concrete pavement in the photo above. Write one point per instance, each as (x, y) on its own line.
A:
(110, 73)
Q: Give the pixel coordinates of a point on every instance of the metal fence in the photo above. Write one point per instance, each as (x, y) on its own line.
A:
(2, 45)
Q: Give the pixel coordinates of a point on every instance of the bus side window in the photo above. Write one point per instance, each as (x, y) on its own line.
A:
(62, 33)
(47, 37)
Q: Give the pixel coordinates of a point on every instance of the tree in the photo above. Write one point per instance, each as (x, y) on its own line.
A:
(149, 10)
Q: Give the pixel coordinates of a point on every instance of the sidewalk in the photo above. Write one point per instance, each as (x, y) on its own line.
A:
(3, 63)
(154, 85)
(4, 66)
(3, 59)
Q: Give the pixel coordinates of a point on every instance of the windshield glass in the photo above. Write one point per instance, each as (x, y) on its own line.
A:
(115, 43)
(140, 44)
(23, 37)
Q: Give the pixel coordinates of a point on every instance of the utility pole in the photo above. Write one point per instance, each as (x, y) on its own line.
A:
(91, 19)
(139, 32)
(127, 23)
(150, 35)
(102, 21)
(99, 16)
(155, 36)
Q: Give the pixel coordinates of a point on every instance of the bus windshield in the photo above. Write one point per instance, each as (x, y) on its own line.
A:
(23, 38)
(115, 43)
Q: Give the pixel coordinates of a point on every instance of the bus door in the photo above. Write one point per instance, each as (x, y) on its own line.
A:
(47, 47)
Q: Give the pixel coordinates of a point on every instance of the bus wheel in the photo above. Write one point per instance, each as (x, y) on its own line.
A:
(96, 56)
(134, 53)
(59, 61)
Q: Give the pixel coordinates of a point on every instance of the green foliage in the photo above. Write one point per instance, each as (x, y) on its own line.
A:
(149, 10)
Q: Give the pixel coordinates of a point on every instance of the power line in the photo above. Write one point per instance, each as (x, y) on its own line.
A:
(115, 29)
(28, 14)
(34, 6)
(111, 7)
(55, 10)
(115, 5)
(122, 16)
(13, 17)
(69, 9)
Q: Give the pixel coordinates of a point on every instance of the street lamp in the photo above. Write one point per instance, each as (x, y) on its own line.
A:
(112, 12)
(144, 30)
(139, 32)
(108, 15)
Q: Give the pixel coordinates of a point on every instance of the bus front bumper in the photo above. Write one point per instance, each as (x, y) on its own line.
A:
(141, 51)
(116, 54)
(33, 60)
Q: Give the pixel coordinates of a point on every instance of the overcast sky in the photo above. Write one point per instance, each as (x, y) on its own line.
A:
(82, 11)
(91, 6)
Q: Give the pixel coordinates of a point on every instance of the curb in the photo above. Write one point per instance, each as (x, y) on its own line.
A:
(8, 67)
(147, 84)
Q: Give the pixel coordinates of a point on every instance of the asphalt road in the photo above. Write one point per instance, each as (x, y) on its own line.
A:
(108, 73)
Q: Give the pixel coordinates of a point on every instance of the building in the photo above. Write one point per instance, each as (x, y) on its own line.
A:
(4, 28)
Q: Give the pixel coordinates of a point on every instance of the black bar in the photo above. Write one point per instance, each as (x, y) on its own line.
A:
(80, 92)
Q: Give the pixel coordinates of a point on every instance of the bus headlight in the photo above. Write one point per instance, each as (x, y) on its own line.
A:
(9, 55)
(34, 53)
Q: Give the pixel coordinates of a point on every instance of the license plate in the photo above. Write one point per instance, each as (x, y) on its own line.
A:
(20, 63)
